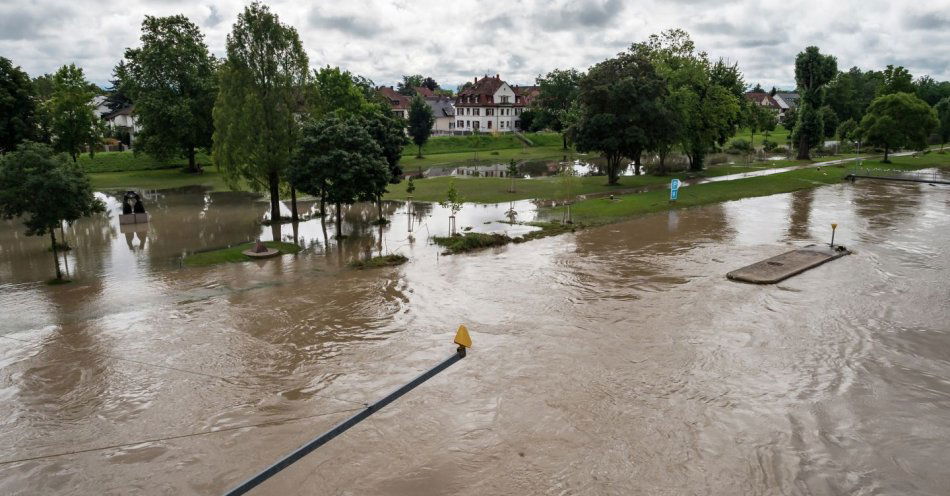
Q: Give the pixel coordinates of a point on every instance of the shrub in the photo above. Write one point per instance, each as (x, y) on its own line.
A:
(769, 146)
(739, 146)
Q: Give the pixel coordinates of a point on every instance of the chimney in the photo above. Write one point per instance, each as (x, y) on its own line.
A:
(476, 79)
(497, 77)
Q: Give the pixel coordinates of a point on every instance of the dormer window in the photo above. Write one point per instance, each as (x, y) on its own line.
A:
(504, 99)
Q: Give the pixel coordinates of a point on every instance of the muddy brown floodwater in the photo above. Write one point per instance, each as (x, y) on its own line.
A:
(617, 360)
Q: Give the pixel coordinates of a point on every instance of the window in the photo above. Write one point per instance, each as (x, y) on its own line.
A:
(461, 124)
(476, 111)
(489, 124)
(468, 123)
(504, 99)
(489, 111)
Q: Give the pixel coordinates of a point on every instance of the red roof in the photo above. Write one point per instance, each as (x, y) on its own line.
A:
(424, 92)
(762, 97)
(396, 100)
(482, 93)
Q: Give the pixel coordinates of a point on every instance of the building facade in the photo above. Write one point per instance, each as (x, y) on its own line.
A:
(490, 105)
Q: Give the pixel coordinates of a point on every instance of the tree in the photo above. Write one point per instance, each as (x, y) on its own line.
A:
(528, 118)
(44, 190)
(558, 90)
(618, 97)
(262, 85)
(339, 161)
(943, 116)
(930, 91)
(829, 121)
(421, 120)
(410, 186)
(387, 131)
(896, 80)
(171, 78)
(409, 84)
(758, 88)
(17, 108)
(708, 95)
(767, 122)
(430, 83)
(898, 120)
(74, 125)
(846, 130)
(43, 96)
(454, 202)
(812, 72)
(336, 90)
(512, 174)
(116, 96)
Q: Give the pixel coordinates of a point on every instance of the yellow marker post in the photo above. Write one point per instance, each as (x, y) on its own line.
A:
(834, 225)
(462, 338)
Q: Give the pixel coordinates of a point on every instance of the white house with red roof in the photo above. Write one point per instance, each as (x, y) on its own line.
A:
(491, 105)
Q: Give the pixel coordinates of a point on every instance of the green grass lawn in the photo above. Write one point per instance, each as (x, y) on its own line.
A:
(481, 143)
(233, 254)
(129, 161)
(603, 211)
(412, 164)
(780, 136)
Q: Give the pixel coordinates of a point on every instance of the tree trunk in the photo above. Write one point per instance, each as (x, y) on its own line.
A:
(803, 149)
(564, 141)
(636, 163)
(293, 205)
(613, 167)
(339, 222)
(379, 208)
(885, 153)
(419, 155)
(323, 203)
(52, 237)
(274, 184)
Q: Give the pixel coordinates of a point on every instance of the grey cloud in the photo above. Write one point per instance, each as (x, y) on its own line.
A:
(928, 21)
(361, 26)
(588, 14)
(214, 17)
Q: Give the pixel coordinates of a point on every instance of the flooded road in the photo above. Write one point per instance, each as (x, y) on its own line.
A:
(618, 360)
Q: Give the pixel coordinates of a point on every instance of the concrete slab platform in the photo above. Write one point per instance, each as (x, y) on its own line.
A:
(781, 267)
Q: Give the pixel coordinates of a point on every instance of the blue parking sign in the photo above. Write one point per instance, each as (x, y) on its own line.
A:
(674, 189)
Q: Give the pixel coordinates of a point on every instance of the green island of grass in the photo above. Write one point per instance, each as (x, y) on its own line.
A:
(471, 241)
(233, 254)
(390, 260)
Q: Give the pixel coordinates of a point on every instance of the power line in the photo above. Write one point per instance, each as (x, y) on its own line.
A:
(178, 436)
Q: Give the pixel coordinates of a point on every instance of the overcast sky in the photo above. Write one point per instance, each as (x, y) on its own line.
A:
(454, 40)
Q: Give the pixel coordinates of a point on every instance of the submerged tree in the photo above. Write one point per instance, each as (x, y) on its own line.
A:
(454, 202)
(898, 120)
(171, 78)
(339, 161)
(44, 190)
(262, 84)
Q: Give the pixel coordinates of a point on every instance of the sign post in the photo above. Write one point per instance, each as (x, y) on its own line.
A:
(834, 225)
(674, 189)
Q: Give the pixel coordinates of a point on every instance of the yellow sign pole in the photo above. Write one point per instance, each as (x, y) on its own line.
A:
(834, 225)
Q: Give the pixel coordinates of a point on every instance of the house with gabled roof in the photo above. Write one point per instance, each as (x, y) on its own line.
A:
(490, 105)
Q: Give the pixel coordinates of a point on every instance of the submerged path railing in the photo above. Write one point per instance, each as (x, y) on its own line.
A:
(463, 341)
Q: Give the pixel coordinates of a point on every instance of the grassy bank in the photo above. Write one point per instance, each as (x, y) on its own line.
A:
(473, 241)
(233, 254)
(603, 211)
(779, 136)
(129, 161)
(391, 260)
(481, 143)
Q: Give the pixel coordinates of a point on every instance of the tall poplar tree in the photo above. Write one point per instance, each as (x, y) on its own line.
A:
(262, 84)
(812, 72)
(74, 126)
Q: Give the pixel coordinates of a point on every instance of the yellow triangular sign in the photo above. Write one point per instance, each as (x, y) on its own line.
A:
(462, 338)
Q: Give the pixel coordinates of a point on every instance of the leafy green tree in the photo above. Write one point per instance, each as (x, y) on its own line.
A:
(336, 90)
(898, 120)
(512, 174)
(708, 95)
(430, 83)
(43, 96)
(943, 116)
(829, 121)
(931, 91)
(172, 80)
(618, 97)
(664, 134)
(558, 91)
(410, 186)
(262, 87)
(116, 95)
(421, 120)
(812, 72)
(896, 80)
(454, 202)
(409, 84)
(17, 108)
(74, 125)
(528, 119)
(339, 161)
(846, 130)
(388, 132)
(44, 190)
(768, 120)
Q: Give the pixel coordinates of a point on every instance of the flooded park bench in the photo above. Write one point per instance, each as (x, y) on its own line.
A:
(788, 264)
(132, 214)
